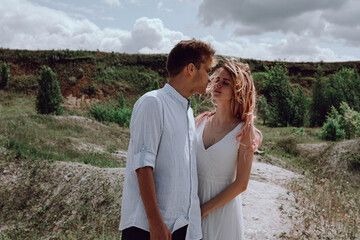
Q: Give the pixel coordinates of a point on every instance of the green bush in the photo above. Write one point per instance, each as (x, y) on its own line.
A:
(89, 89)
(49, 97)
(24, 84)
(331, 130)
(155, 85)
(5, 75)
(121, 116)
(355, 162)
(288, 145)
(121, 100)
(140, 77)
(73, 80)
(349, 120)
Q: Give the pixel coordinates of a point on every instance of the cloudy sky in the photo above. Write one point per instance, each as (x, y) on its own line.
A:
(290, 30)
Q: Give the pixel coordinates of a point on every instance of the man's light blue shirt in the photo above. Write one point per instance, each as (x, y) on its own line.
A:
(162, 133)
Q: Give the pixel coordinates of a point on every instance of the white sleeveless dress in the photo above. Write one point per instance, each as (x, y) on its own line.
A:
(216, 168)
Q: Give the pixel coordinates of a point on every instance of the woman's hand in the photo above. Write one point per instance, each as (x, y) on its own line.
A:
(160, 232)
(204, 211)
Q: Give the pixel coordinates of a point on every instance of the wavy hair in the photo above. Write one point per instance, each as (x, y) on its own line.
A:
(243, 100)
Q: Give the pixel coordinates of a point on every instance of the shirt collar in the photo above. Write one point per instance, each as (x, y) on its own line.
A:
(185, 102)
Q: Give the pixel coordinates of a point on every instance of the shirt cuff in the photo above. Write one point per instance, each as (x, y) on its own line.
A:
(144, 159)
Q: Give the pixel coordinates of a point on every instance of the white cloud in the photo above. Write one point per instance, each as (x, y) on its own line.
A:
(113, 2)
(290, 48)
(160, 6)
(29, 26)
(150, 36)
(25, 25)
(317, 19)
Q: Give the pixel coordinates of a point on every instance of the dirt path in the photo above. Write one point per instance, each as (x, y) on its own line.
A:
(267, 203)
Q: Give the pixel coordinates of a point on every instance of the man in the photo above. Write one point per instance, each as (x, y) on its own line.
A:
(160, 190)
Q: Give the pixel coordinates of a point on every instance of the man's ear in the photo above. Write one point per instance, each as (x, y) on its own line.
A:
(190, 69)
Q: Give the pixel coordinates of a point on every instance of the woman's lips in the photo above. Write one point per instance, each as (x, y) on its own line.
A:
(217, 91)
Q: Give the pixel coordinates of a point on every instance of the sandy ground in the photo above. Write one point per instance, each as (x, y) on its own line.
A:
(267, 205)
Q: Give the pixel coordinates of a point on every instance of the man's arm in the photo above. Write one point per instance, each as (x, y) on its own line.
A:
(158, 229)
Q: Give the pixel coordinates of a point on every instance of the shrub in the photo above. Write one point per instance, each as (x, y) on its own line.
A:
(155, 85)
(355, 162)
(121, 116)
(289, 145)
(140, 77)
(49, 96)
(5, 75)
(331, 130)
(121, 100)
(73, 80)
(349, 120)
(24, 84)
(89, 89)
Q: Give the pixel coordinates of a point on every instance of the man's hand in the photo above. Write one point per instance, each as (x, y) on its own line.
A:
(160, 232)
(158, 229)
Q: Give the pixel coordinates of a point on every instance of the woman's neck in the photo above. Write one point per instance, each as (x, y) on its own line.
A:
(223, 114)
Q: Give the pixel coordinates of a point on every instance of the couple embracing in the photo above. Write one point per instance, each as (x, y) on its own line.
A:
(184, 176)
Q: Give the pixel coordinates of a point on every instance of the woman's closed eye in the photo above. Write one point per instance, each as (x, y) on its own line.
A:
(224, 83)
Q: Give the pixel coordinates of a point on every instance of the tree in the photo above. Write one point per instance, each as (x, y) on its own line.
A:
(342, 86)
(276, 88)
(263, 109)
(5, 75)
(320, 104)
(49, 97)
(300, 108)
(345, 87)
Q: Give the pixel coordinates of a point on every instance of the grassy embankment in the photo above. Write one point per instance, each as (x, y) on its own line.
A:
(41, 198)
(327, 197)
(32, 145)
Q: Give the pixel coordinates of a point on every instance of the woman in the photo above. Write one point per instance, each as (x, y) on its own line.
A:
(226, 142)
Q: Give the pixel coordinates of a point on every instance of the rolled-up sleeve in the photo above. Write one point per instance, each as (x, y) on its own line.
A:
(145, 129)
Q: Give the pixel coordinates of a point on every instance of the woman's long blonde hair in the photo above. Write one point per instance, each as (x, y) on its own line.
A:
(243, 101)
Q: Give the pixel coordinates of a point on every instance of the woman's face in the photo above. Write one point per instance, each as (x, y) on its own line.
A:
(223, 87)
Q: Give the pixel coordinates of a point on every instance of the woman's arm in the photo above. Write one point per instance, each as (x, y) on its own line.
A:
(244, 163)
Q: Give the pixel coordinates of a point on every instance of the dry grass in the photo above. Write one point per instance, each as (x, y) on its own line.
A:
(329, 209)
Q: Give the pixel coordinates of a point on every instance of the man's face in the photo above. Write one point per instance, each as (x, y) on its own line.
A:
(201, 77)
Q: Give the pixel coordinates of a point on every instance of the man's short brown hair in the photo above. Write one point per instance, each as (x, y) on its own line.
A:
(186, 52)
